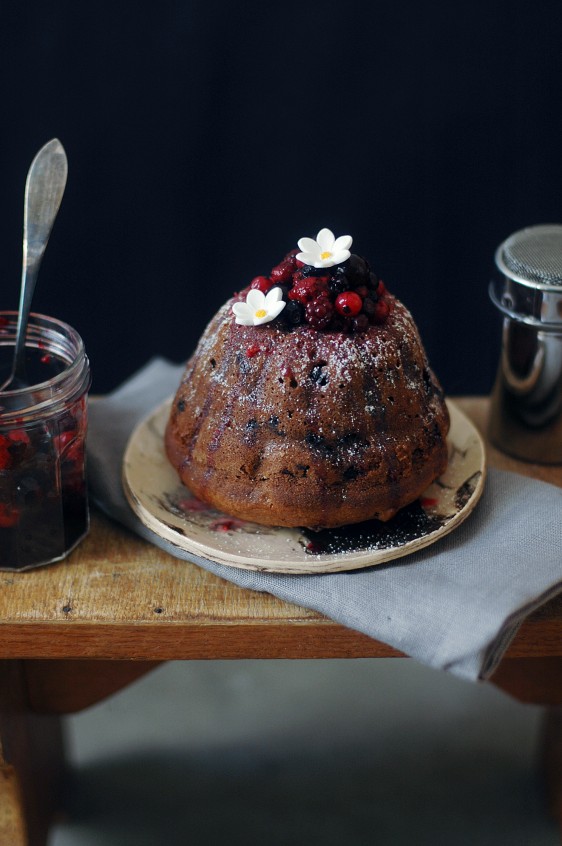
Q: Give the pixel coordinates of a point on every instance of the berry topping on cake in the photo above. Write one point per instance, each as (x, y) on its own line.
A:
(323, 285)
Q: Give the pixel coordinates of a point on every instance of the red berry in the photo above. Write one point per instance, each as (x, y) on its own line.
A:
(19, 436)
(261, 283)
(381, 312)
(75, 452)
(9, 516)
(253, 350)
(381, 289)
(319, 311)
(291, 258)
(308, 288)
(349, 303)
(5, 457)
(282, 272)
(64, 439)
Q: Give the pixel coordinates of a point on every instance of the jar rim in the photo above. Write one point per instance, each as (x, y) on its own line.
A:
(73, 336)
(55, 337)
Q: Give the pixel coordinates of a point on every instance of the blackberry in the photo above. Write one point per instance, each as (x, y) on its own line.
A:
(369, 306)
(338, 284)
(357, 270)
(292, 314)
(319, 311)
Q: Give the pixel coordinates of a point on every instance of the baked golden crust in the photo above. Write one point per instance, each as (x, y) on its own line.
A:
(298, 427)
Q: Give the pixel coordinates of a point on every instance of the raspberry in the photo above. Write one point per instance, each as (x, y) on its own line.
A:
(319, 311)
(307, 289)
(261, 283)
(282, 272)
(349, 303)
(291, 258)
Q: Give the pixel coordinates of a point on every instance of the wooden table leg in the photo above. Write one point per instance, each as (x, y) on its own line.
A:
(31, 763)
(539, 681)
(33, 695)
(551, 761)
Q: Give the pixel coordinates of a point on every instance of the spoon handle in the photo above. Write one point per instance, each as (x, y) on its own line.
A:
(44, 187)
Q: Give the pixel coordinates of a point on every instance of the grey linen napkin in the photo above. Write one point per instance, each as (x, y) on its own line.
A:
(455, 605)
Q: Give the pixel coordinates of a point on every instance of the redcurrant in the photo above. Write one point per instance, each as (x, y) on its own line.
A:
(349, 303)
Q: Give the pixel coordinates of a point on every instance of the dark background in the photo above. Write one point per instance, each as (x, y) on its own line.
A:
(205, 138)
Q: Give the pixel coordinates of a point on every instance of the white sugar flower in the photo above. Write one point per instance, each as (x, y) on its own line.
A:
(326, 251)
(259, 308)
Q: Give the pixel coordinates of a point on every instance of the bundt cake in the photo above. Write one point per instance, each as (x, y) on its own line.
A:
(309, 400)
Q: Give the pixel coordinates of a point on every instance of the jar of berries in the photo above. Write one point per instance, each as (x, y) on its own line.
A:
(43, 497)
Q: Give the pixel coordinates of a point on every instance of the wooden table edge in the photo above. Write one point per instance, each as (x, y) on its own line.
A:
(290, 636)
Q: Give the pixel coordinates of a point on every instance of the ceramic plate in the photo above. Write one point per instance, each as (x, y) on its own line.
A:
(166, 507)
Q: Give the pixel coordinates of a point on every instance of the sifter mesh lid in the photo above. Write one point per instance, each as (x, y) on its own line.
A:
(533, 255)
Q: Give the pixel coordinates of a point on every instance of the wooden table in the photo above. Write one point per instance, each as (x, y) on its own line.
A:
(75, 632)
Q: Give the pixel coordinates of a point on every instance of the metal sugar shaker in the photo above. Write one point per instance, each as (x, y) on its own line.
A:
(526, 407)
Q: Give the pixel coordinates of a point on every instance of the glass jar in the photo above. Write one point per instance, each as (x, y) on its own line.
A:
(43, 497)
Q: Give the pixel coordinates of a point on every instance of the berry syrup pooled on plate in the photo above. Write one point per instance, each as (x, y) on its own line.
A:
(43, 502)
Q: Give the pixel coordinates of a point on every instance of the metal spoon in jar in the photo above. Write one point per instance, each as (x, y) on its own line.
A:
(44, 188)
